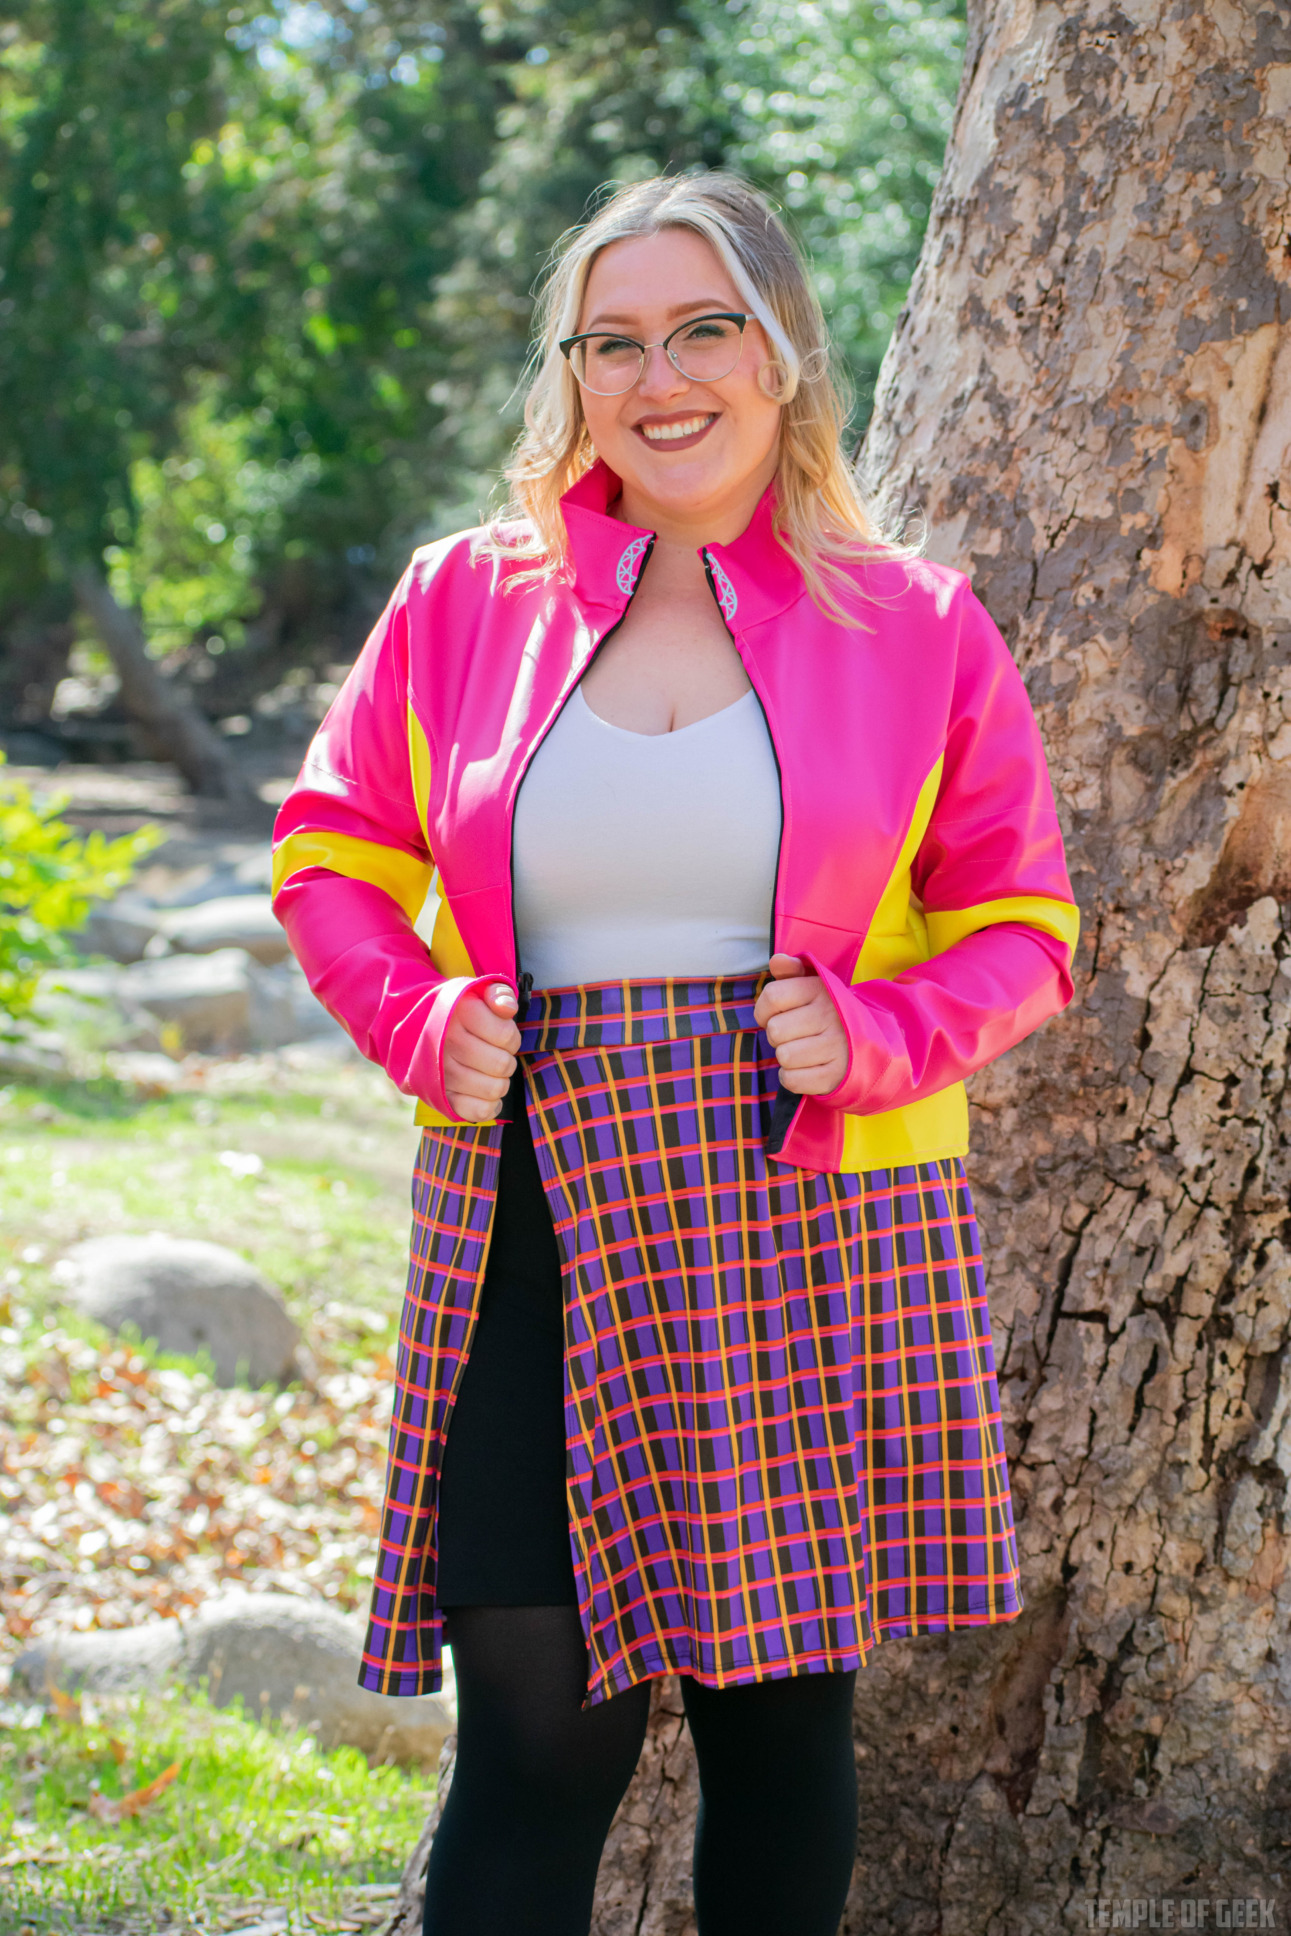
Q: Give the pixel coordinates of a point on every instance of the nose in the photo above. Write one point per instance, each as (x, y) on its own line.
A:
(660, 378)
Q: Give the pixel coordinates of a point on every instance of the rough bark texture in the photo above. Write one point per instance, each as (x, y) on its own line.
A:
(1090, 399)
(171, 722)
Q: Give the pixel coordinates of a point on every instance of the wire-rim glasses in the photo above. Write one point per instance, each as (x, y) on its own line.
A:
(703, 349)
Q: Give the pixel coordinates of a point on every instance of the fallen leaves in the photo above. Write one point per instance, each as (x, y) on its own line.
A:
(131, 1491)
(65, 1706)
(106, 1808)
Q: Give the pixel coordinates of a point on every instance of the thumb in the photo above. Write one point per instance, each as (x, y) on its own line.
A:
(501, 999)
(786, 967)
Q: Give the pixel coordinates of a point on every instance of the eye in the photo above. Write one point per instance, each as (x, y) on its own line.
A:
(612, 345)
(709, 329)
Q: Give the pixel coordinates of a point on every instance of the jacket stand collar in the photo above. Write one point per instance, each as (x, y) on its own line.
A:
(754, 577)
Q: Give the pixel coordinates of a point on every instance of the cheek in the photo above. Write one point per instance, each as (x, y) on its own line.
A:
(760, 422)
(601, 417)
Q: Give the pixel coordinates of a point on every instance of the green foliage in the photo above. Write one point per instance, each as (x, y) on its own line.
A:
(209, 519)
(269, 272)
(253, 1814)
(247, 216)
(841, 108)
(49, 875)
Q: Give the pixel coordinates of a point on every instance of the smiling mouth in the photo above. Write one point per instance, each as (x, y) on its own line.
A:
(687, 431)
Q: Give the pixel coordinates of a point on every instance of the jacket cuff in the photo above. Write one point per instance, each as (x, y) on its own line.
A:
(869, 1060)
(424, 1075)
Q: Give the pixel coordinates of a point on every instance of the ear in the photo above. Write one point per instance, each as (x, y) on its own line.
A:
(772, 381)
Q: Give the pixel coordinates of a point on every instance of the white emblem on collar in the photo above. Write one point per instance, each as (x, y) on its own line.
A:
(725, 590)
(629, 566)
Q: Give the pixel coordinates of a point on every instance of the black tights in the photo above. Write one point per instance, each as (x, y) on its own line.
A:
(538, 1779)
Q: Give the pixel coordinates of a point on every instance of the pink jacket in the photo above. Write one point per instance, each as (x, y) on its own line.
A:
(921, 869)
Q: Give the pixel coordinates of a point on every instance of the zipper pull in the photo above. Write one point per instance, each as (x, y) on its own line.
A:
(524, 991)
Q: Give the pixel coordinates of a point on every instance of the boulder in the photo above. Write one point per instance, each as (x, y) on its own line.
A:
(101, 1663)
(224, 1003)
(190, 1296)
(205, 999)
(288, 1659)
(119, 929)
(285, 1010)
(233, 868)
(234, 921)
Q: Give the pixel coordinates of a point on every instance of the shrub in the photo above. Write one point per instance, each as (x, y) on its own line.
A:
(49, 875)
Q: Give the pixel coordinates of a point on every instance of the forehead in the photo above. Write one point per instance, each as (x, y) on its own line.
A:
(649, 275)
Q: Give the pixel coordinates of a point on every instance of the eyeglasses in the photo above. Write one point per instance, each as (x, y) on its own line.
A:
(705, 349)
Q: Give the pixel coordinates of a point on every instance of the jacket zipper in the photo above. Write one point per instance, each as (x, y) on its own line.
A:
(524, 981)
(775, 751)
(786, 1104)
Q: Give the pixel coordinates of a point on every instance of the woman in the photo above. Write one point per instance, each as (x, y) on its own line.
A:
(681, 846)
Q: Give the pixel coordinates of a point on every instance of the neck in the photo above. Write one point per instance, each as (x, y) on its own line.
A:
(720, 520)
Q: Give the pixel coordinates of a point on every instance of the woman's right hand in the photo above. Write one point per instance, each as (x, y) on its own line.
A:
(479, 1056)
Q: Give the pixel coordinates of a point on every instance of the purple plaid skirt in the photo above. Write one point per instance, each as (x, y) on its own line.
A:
(783, 1438)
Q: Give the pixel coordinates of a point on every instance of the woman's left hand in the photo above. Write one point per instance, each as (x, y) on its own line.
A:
(803, 1028)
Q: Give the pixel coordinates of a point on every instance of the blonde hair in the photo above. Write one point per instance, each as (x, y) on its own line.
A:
(821, 517)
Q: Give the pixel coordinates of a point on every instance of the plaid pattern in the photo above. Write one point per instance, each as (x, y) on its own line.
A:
(781, 1409)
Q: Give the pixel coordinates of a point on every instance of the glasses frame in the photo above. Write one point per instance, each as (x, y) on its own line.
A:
(569, 344)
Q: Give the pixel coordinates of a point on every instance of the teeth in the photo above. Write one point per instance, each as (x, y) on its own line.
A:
(665, 433)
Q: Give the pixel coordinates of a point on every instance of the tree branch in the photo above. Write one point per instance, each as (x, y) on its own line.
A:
(154, 701)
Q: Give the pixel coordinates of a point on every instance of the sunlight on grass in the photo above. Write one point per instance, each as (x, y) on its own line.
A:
(312, 1188)
(254, 1814)
(134, 1488)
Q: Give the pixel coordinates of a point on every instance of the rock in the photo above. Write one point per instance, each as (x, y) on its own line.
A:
(224, 1003)
(149, 1073)
(32, 1055)
(288, 1659)
(30, 747)
(102, 1663)
(234, 921)
(286, 1010)
(120, 929)
(190, 1296)
(239, 870)
(297, 1660)
(205, 998)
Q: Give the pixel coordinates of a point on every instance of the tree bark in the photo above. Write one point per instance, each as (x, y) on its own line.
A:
(1089, 397)
(154, 702)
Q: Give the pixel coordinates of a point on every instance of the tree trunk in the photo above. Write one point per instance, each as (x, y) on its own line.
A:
(154, 702)
(1090, 399)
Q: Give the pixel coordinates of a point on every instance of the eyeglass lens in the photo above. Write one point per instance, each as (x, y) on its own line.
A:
(704, 350)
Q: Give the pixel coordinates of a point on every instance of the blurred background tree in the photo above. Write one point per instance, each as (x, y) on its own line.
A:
(266, 280)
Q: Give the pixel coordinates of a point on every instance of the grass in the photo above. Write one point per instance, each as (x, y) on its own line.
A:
(308, 1181)
(254, 1816)
(134, 1488)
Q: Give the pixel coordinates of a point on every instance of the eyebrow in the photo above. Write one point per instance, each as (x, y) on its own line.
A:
(678, 309)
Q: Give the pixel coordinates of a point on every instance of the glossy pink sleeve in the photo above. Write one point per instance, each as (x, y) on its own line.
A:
(373, 973)
(993, 839)
(356, 943)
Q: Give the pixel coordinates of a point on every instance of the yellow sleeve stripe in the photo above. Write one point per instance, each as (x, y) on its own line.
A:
(402, 876)
(891, 916)
(419, 761)
(1059, 918)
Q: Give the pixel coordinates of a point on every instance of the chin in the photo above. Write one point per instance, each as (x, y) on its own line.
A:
(682, 486)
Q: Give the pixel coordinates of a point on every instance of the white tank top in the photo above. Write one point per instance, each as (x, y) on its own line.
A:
(639, 856)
